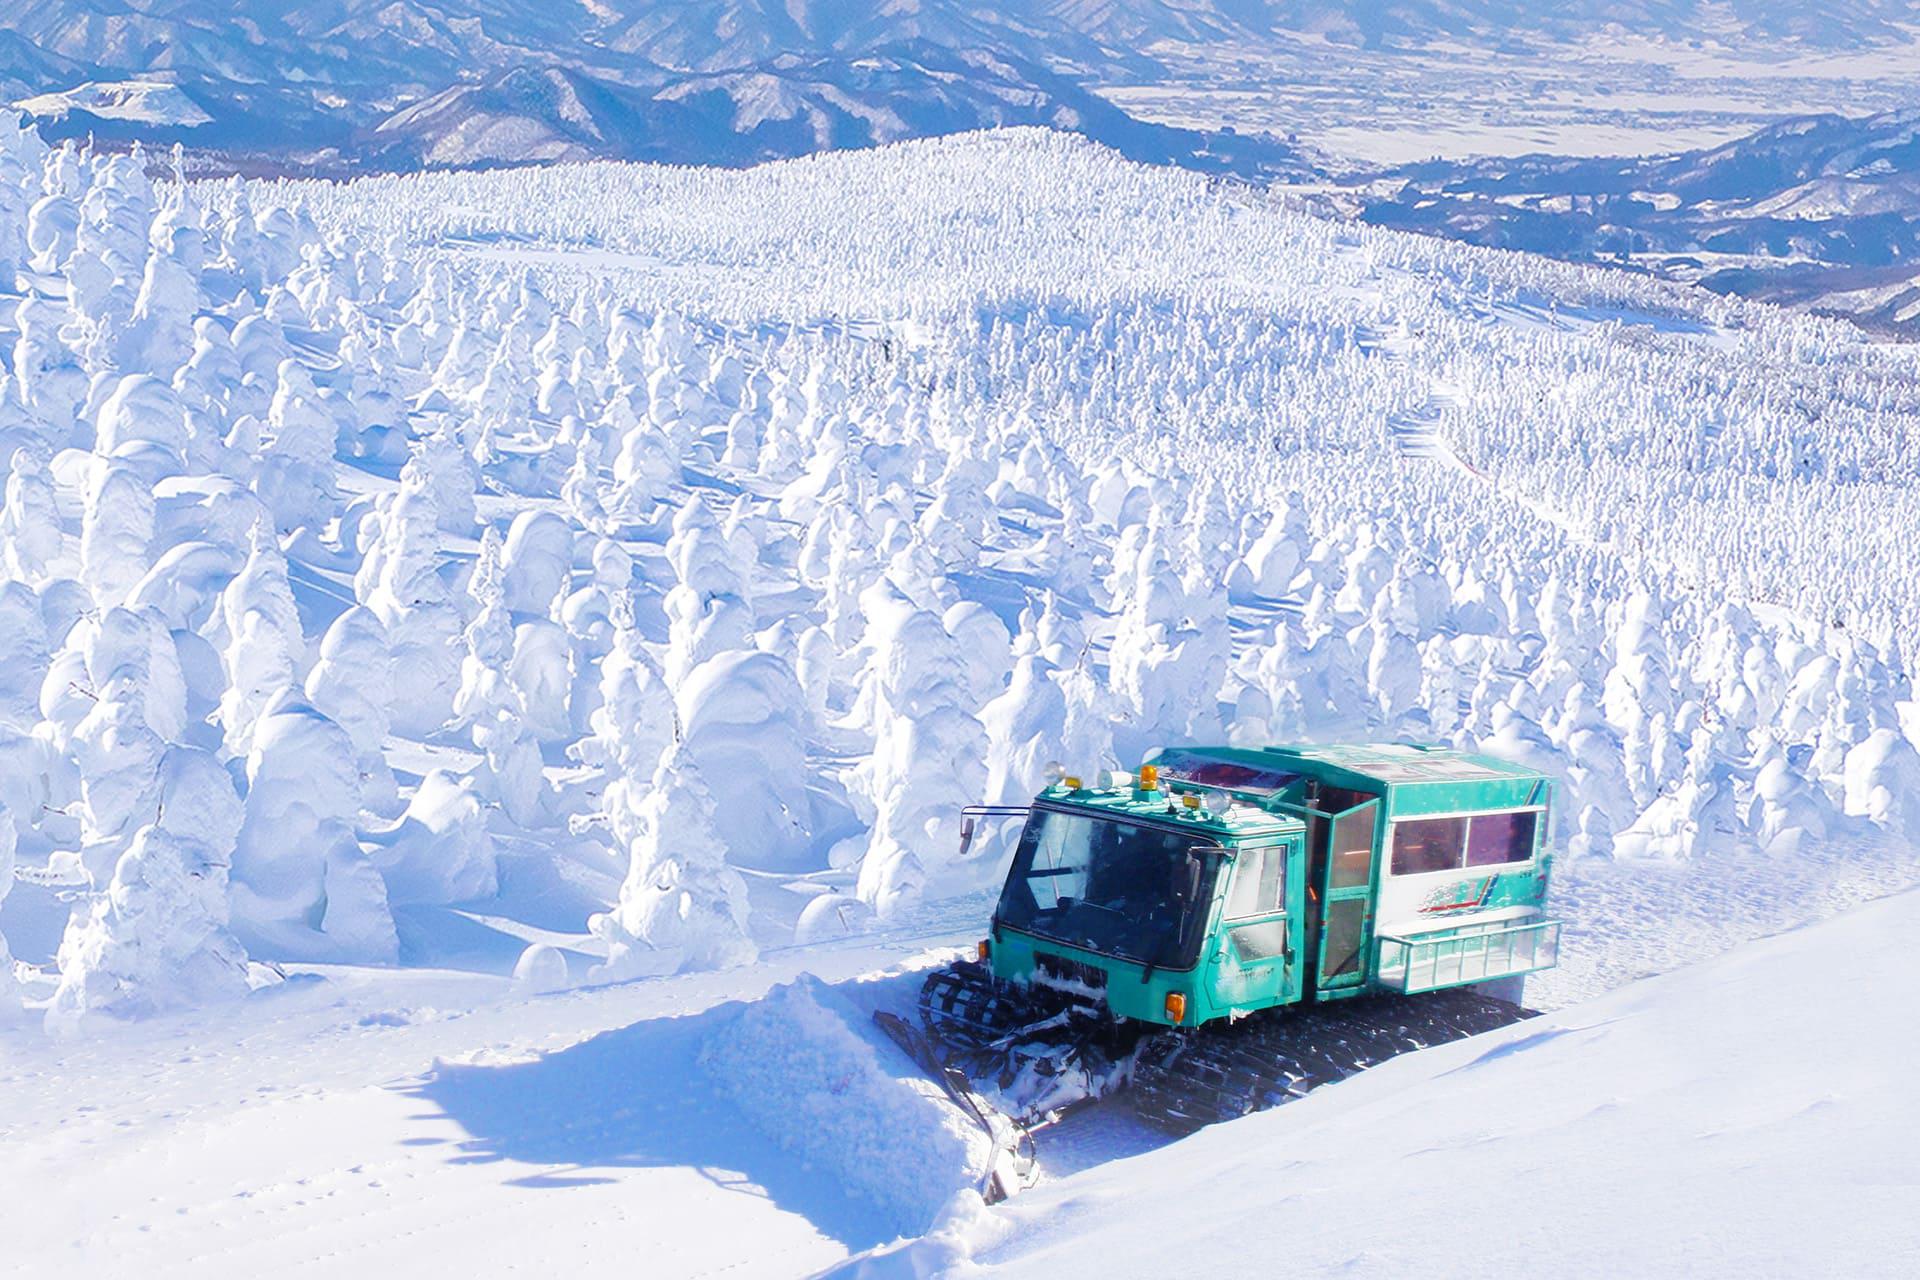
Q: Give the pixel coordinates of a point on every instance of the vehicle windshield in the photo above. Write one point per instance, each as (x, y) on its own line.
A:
(1106, 885)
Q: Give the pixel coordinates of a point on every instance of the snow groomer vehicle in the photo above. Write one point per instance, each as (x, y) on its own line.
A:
(1229, 927)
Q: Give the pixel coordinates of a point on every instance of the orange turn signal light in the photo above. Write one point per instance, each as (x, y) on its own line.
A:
(982, 951)
(1176, 1007)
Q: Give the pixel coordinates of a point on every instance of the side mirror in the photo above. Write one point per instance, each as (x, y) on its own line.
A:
(971, 815)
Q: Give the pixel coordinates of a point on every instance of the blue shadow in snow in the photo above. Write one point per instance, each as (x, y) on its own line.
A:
(635, 1098)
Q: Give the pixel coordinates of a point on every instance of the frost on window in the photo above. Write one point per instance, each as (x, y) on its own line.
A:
(1260, 941)
(1352, 849)
(1256, 883)
(1346, 920)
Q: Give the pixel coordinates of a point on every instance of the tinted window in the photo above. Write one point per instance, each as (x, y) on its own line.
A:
(1428, 844)
(1353, 849)
(1495, 838)
(1105, 885)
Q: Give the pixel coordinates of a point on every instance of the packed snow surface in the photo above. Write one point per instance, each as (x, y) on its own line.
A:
(441, 1124)
(1753, 1115)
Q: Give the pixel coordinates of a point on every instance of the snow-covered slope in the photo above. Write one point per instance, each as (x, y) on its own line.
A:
(437, 1124)
(471, 582)
(150, 102)
(609, 574)
(1750, 1116)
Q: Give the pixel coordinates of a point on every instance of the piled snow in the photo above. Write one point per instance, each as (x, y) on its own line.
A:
(1748, 1116)
(809, 1067)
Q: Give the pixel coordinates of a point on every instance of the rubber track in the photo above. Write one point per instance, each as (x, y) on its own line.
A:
(1183, 1081)
(1014, 1040)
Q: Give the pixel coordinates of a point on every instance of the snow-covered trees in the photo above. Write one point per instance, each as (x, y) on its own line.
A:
(681, 906)
(352, 684)
(487, 700)
(303, 888)
(399, 579)
(157, 938)
(928, 758)
(135, 704)
(265, 649)
(709, 608)
(723, 555)
(740, 715)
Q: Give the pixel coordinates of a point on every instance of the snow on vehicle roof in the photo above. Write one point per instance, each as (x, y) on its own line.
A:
(1401, 763)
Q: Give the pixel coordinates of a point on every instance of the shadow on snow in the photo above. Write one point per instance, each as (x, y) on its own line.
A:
(636, 1098)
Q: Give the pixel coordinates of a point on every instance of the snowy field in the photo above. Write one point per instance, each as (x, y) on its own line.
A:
(469, 637)
(1747, 1117)
(1627, 90)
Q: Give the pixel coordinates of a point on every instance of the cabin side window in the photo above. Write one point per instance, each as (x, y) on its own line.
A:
(1421, 845)
(1258, 890)
(1256, 883)
(1494, 839)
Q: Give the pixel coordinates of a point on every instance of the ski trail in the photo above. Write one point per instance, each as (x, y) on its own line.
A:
(1414, 433)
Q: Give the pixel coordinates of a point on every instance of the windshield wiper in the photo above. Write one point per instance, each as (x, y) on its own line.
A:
(1186, 888)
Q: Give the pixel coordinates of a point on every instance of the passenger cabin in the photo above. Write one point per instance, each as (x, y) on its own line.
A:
(1426, 867)
(1224, 880)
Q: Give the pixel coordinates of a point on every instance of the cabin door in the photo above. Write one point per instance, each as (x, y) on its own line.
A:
(1345, 894)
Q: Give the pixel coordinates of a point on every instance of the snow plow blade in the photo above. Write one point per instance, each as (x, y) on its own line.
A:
(1013, 1167)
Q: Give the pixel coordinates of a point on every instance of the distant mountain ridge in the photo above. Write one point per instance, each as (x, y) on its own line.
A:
(345, 83)
(1818, 211)
(785, 107)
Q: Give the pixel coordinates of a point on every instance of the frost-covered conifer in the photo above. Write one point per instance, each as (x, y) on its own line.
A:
(399, 579)
(1882, 783)
(926, 764)
(303, 889)
(488, 702)
(681, 906)
(439, 850)
(116, 531)
(633, 727)
(741, 718)
(1276, 556)
(137, 706)
(1788, 813)
(352, 684)
(265, 649)
(1025, 726)
(157, 937)
(708, 610)
(25, 656)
